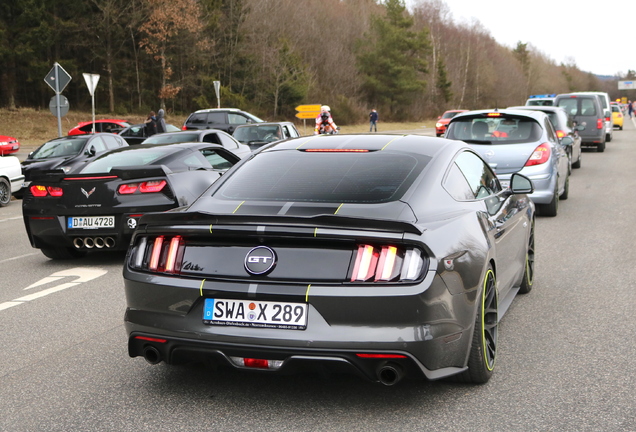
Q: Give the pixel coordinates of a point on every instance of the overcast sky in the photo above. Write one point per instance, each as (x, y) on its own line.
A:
(598, 35)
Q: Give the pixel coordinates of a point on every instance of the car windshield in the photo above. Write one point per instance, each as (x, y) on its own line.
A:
(495, 130)
(130, 157)
(60, 148)
(360, 177)
(255, 133)
(173, 138)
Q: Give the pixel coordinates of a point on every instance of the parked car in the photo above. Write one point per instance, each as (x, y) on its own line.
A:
(617, 116)
(68, 154)
(99, 207)
(442, 121)
(136, 134)
(519, 141)
(258, 134)
(106, 125)
(541, 100)
(225, 119)
(11, 178)
(563, 126)
(208, 135)
(8, 145)
(374, 254)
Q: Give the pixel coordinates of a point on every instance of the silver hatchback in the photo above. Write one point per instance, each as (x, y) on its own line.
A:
(514, 141)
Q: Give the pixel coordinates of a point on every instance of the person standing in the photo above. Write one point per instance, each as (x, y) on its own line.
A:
(373, 120)
(151, 124)
(161, 122)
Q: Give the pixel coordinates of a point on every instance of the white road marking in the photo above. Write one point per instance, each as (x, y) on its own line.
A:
(8, 219)
(82, 274)
(18, 257)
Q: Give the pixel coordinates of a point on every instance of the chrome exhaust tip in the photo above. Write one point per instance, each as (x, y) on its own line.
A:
(99, 242)
(78, 242)
(109, 242)
(89, 243)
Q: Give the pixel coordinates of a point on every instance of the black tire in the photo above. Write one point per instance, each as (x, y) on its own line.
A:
(620, 128)
(528, 274)
(608, 138)
(552, 208)
(577, 164)
(483, 350)
(566, 189)
(5, 192)
(62, 253)
(600, 147)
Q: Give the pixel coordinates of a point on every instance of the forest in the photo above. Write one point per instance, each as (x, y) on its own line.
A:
(270, 56)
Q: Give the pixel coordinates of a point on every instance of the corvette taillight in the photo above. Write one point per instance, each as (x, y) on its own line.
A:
(151, 186)
(386, 263)
(540, 155)
(161, 254)
(42, 191)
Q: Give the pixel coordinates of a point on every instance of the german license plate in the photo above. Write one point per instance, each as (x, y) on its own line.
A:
(91, 222)
(248, 313)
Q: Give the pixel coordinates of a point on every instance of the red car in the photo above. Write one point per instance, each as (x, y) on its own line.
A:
(442, 122)
(107, 125)
(8, 145)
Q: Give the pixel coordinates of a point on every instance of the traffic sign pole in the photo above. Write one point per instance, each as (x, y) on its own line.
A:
(57, 102)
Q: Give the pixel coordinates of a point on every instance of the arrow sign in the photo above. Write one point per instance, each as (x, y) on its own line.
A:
(312, 108)
(57, 78)
(307, 114)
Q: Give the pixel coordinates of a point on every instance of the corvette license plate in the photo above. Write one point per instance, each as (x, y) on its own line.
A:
(91, 222)
(248, 313)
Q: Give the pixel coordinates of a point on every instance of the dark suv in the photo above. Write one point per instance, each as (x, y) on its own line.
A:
(225, 119)
(586, 110)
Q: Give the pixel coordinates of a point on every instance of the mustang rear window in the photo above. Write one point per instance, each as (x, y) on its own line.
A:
(372, 177)
(60, 148)
(130, 157)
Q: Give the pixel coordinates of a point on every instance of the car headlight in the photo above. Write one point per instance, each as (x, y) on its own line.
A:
(438, 125)
(66, 169)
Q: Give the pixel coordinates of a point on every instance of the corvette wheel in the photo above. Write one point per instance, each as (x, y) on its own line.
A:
(5, 192)
(483, 352)
(528, 274)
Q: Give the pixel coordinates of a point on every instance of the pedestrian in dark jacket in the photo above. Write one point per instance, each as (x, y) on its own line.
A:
(373, 120)
(151, 124)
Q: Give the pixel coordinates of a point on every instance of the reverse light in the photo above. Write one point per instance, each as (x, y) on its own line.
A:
(540, 155)
(386, 264)
(256, 363)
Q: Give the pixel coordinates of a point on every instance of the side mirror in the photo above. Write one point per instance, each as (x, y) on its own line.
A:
(520, 184)
(439, 117)
(567, 141)
(91, 151)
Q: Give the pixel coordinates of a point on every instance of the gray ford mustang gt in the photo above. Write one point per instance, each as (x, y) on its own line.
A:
(382, 255)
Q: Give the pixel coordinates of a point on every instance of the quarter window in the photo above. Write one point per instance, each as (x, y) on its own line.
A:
(481, 180)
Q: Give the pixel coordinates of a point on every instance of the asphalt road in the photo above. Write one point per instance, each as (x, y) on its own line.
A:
(567, 357)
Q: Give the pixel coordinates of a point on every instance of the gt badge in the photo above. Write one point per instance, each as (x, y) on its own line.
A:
(260, 260)
(87, 194)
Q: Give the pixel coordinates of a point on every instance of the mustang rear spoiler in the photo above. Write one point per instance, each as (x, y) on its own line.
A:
(124, 173)
(322, 221)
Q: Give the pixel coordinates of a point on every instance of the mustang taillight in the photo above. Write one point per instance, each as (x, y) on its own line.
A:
(540, 155)
(42, 191)
(386, 264)
(143, 187)
(161, 254)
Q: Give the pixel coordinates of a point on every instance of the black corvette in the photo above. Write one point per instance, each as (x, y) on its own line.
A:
(68, 214)
(383, 255)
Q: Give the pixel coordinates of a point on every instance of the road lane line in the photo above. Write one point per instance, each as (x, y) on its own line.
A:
(46, 292)
(18, 257)
(7, 305)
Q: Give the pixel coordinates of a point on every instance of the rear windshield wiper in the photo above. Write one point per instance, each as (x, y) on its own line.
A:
(473, 141)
